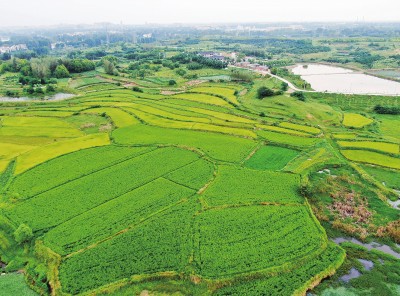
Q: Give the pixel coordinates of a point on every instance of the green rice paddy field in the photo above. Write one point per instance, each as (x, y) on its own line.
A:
(185, 194)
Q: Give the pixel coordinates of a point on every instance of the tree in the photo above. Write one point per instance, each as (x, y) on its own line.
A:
(61, 72)
(50, 88)
(284, 86)
(180, 72)
(23, 234)
(109, 67)
(41, 68)
(264, 91)
(299, 95)
(39, 90)
(172, 82)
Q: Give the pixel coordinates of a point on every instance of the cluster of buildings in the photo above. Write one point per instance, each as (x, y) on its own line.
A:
(212, 55)
(245, 63)
(254, 67)
(11, 48)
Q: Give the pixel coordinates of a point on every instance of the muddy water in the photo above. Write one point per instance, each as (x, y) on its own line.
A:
(56, 97)
(339, 80)
(368, 265)
(376, 246)
(354, 273)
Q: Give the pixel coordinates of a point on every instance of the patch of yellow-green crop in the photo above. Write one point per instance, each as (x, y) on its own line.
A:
(356, 120)
(287, 139)
(298, 127)
(283, 130)
(165, 122)
(344, 136)
(228, 93)
(203, 98)
(9, 150)
(119, 117)
(372, 158)
(36, 156)
(380, 146)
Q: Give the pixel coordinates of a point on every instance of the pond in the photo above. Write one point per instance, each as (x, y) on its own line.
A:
(340, 80)
(56, 97)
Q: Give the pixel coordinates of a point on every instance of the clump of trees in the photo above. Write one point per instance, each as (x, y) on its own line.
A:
(264, 92)
(45, 68)
(299, 95)
(240, 75)
(195, 61)
(61, 71)
(387, 110)
(109, 64)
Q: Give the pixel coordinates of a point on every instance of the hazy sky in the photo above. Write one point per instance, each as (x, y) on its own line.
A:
(50, 12)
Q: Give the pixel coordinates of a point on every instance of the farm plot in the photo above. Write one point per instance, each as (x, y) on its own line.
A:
(43, 153)
(58, 205)
(37, 127)
(228, 93)
(246, 239)
(287, 139)
(235, 185)
(193, 175)
(9, 150)
(372, 158)
(119, 117)
(283, 130)
(271, 158)
(218, 146)
(45, 113)
(294, 282)
(380, 146)
(159, 244)
(169, 123)
(113, 216)
(356, 120)
(202, 98)
(388, 177)
(298, 127)
(68, 167)
(14, 284)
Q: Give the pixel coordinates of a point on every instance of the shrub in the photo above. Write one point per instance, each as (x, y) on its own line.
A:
(264, 91)
(299, 95)
(137, 89)
(387, 110)
(50, 89)
(39, 90)
(23, 234)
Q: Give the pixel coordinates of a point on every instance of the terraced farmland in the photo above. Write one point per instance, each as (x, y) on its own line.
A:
(123, 189)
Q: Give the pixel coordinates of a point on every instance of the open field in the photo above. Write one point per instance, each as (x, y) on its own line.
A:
(356, 120)
(164, 183)
(372, 158)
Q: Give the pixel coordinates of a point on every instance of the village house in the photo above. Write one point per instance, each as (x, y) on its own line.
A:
(212, 55)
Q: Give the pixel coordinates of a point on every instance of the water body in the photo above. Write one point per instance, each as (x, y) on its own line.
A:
(383, 248)
(367, 264)
(325, 78)
(354, 273)
(56, 97)
(395, 204)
